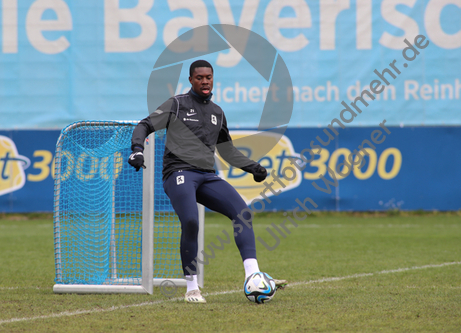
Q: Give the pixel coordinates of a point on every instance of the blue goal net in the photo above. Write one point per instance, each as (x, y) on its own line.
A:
(98, 208)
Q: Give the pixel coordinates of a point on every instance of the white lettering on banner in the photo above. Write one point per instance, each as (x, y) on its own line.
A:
(316, 93)
(10, 26)
(426, 92)
(330, 89)
(306, 94)
(35, 25)
(247, 17)
(329, 10)
(255, 94)
(433, 27)
(388, 90)
(273, 23)
(356, 90)
(416, 16)
(224, 95)
(364, 26)
(411, 88)
(113, 16)
(396, 18)
(173, 27)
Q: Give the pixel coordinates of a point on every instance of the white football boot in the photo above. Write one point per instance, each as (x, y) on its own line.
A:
(194, 296)
(280, 284)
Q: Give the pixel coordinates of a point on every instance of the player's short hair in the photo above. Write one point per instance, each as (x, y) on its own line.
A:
(199, 63)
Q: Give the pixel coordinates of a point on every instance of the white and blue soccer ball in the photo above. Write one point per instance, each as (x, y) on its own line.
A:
(259, 287)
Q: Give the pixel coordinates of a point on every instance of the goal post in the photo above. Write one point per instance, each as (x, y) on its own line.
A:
(115, 230)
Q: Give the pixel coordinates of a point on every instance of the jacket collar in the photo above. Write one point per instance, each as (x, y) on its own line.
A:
(200, 98)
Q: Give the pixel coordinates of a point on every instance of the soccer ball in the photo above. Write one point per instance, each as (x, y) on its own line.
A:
(259, 287)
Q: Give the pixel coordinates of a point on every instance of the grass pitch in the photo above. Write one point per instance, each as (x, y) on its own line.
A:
(348, 272)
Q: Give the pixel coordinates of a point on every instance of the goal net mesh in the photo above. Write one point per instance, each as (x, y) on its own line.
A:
(98, 208)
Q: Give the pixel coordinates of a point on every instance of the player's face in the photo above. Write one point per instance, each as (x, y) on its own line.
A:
(202, 81)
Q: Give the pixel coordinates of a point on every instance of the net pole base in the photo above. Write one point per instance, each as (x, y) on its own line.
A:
(97, 289)
(177, 282)
(113, 289)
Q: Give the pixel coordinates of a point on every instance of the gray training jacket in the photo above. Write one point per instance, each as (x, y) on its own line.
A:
(195, 128)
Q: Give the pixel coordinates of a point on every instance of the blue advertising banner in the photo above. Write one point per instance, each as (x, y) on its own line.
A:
(26, 166)
(404, 168)
(63, 61)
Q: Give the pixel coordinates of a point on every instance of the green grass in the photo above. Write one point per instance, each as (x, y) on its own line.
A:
(322, 247)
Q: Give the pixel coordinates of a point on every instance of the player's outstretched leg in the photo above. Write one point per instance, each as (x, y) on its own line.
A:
(220, 196)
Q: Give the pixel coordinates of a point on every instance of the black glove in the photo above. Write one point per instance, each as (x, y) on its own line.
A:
(259, 172)
(136, 159)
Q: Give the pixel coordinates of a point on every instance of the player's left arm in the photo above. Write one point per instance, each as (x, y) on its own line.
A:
(235, 158)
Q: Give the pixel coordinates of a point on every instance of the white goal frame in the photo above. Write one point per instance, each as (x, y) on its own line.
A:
(148, 281)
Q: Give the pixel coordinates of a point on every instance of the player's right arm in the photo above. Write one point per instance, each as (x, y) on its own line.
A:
(155, 121)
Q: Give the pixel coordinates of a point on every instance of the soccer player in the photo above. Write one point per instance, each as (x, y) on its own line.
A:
(195, 125)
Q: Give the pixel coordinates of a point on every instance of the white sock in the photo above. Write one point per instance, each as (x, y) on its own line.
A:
(251, 266)
(191, 281)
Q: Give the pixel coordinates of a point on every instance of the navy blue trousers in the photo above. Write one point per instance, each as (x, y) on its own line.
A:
(185, 189)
